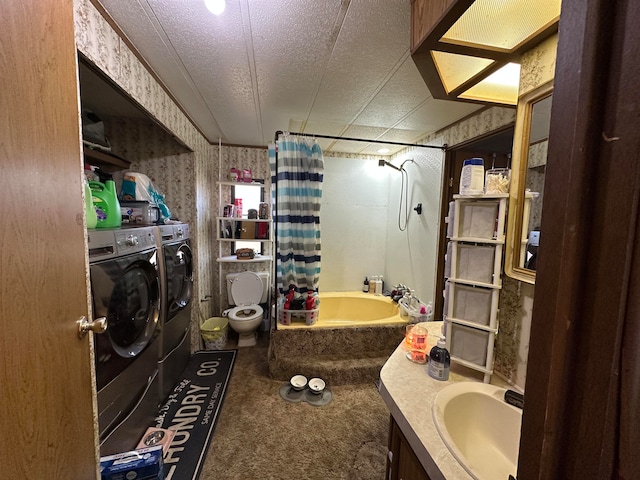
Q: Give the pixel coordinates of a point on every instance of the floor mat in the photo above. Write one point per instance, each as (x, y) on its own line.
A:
(192, 409)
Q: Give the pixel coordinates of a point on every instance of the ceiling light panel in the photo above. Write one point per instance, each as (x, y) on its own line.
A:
(502, 24)
(455, 69)
(501, 86)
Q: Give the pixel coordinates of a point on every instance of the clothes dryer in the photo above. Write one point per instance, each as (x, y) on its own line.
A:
(177, 291)
(125, 288)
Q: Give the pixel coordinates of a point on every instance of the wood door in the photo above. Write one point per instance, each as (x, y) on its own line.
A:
(582, 396)
(46, 389)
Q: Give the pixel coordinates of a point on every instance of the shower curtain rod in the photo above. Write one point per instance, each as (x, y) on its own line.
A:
(440, 147)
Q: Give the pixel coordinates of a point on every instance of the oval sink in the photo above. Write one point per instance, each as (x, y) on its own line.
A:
(479, 428)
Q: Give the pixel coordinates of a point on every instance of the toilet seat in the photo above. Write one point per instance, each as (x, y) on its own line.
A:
(246, 313)
(246, 291)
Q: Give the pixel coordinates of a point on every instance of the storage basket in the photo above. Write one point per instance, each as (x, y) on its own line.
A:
(469, 344)
(472, 303)
(214, 333)
(475, 263)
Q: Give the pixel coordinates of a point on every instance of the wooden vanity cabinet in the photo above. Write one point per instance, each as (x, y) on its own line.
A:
(402, 463)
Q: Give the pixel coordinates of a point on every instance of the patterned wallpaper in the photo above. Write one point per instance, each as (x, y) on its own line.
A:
(516, 299)
(482, 123)
(184, 175)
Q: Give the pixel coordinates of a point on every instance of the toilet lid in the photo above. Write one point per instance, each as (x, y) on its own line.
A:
(246, 289)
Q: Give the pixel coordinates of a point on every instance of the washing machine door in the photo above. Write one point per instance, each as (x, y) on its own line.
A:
(126, 291)
(179, 269)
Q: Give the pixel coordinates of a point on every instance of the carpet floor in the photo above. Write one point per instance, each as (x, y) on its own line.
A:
(261, 436)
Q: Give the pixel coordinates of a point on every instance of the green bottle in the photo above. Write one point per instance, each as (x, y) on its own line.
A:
(89, 208)
(106, 204)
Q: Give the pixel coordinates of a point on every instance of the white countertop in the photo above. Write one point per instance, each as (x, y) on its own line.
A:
(409, 392)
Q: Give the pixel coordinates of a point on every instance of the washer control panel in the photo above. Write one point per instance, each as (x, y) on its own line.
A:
(135, 239)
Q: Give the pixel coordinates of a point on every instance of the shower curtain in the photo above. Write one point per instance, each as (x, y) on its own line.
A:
(297, 169)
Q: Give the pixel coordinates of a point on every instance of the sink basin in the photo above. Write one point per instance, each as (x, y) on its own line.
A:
(479, 428)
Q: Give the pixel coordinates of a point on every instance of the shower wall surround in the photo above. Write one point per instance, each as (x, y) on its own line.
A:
(353, 220)
(413, 253)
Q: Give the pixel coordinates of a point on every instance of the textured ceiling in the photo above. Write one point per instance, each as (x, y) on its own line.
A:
(327, 67)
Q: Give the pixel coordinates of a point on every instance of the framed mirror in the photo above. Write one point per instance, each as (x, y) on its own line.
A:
(530, 142)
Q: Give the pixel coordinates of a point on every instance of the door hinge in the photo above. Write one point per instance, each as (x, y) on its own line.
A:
(451, 181)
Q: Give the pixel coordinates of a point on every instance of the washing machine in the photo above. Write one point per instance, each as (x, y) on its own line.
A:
(177, 290)
(125, 289)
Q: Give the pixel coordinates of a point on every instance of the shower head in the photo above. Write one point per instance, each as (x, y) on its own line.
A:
(382, 163)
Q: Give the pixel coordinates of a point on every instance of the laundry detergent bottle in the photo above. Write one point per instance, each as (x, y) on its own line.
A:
(106, 204)
(89, 207)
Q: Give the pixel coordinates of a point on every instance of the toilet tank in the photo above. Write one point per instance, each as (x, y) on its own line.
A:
(264, 276)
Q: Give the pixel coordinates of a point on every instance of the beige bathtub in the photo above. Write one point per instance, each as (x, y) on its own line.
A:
(346, 309)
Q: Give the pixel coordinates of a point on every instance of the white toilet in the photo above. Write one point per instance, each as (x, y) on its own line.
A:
(246, 290)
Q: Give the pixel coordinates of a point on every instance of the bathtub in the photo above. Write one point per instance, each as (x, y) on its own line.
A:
(344, 309)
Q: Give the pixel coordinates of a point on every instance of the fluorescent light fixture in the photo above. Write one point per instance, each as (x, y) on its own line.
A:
(472, 46)
(384, 150)
(215, 6)
(501, 85)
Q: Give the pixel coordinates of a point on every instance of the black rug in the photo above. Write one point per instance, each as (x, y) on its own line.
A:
(192, 410)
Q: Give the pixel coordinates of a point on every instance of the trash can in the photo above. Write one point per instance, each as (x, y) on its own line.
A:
(214, 333)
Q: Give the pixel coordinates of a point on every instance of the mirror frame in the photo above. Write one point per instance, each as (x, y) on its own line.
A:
(519, 165)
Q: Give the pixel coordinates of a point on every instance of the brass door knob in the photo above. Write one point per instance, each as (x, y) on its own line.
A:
(99, 325)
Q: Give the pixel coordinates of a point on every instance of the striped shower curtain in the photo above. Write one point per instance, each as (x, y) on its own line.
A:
(297, 169)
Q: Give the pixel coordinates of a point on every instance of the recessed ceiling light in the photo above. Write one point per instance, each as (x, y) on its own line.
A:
(215, 6)
(384, 150)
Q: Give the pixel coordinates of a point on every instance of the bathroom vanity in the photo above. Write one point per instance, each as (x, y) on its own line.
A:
(416, 450)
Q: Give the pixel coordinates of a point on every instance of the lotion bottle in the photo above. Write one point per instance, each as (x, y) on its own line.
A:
(439, 361)
(365, 286)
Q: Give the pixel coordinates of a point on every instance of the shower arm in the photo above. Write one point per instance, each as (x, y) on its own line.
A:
(382, 163)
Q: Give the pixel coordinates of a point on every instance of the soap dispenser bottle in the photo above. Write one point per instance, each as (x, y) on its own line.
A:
(439, 361)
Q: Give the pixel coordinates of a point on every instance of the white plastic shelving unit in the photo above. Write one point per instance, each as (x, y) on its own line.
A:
(476, 226)
(227, 228)
(251, 233)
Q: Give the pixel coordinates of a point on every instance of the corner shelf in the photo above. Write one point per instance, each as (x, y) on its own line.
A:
(243, 184)
(234, 259)
(243, 223)
(233, 221)
(473, 270)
